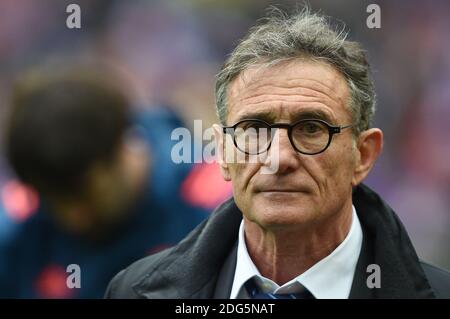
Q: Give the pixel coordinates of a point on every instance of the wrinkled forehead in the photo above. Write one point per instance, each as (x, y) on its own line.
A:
(287, 88)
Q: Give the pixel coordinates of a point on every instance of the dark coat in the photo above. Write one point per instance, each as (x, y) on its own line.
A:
(194, 267)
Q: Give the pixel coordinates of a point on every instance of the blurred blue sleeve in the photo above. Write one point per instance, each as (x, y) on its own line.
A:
(7, 230)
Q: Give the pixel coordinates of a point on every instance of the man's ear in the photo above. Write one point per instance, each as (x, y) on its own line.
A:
(369, 146)
(219, 139)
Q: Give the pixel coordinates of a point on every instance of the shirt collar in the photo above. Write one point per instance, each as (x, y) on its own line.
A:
(330, 278)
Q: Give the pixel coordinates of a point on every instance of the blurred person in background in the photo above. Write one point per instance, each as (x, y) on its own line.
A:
(109, 191)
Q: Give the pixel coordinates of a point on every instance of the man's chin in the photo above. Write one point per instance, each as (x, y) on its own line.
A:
(283, 209)
(288, 198)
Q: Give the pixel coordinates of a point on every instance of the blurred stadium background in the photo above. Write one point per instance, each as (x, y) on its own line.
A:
(171, 50)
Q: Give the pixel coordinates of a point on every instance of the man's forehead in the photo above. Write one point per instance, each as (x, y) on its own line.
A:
(304, 78)
(301, 67)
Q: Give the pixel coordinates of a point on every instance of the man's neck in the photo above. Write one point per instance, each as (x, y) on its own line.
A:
(282, 254)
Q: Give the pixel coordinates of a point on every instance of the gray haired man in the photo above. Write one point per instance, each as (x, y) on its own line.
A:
(296, 90)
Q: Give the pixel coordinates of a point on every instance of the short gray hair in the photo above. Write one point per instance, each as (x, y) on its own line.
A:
(280, 37)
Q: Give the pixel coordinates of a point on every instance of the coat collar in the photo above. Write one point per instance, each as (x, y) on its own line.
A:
(386, 244)
(190, 269)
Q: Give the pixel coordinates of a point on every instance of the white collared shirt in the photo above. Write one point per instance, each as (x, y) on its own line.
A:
(330, 278)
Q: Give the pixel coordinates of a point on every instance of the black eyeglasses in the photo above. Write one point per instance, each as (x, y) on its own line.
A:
(309, 136)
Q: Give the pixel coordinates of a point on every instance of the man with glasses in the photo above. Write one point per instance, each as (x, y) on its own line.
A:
(296, 93)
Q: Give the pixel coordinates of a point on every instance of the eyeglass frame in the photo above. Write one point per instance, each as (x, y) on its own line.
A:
(332, 129)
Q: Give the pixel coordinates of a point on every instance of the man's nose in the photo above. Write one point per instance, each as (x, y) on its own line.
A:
(282, 150)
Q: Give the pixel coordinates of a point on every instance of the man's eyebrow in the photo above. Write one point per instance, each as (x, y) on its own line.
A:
(267, 116)
(270, 117)
(313, 114)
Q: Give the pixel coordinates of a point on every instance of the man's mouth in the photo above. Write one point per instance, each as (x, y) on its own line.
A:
(280, 190)
(275, 189)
